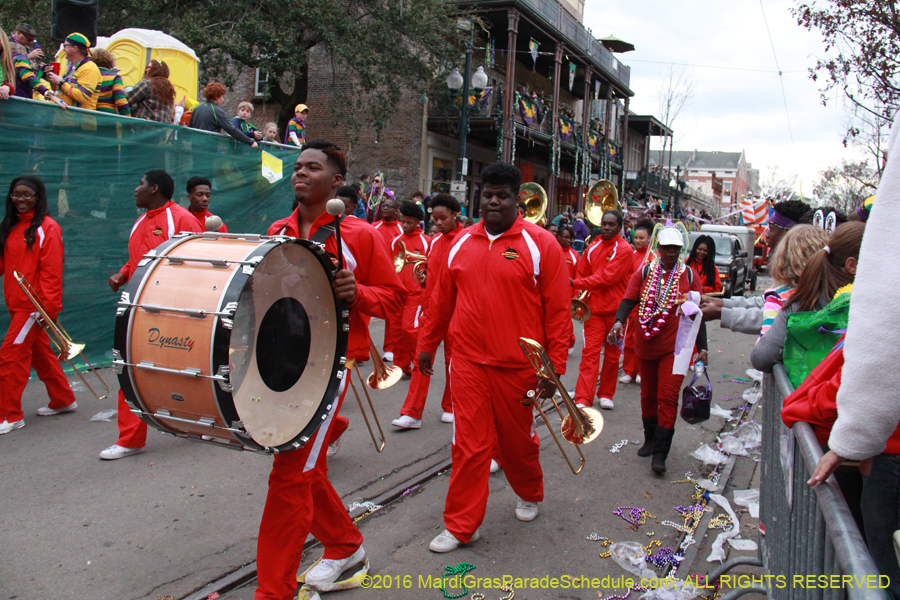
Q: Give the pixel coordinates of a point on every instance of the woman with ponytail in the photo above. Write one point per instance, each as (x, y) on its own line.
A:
(829, 269)
(31, 245)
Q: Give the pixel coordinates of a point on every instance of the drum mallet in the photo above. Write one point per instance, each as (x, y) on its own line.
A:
(336, 208)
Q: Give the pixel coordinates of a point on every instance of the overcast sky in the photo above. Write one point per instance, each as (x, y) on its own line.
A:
(731, 109)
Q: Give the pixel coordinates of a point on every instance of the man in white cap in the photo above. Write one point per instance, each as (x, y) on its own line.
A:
(296, 129)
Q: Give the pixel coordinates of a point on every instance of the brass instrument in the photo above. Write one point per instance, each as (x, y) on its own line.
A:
(405, 257)
(67, 348)
(535, 199)
(582, 425)
(382, 378)
(601, 197)
(580, 310)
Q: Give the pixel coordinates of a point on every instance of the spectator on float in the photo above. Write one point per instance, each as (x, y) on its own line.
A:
(79, 86)
(296, 129)
(27, 81)
(242, 121)
(209, 116)
(7, 70)
(270, 133)
(26, 35)
(111, 97)
(153, 98)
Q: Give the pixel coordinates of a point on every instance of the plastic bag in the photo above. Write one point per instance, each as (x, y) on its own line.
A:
(672, 589)
(105, 415)
(708, 456)
(732, 445)
(718, 549)
(754, 375)
(632, 557)
(752, 395)
(744, 545)
(749, 433)
(749, 499)
(707, 485)
(718, 411)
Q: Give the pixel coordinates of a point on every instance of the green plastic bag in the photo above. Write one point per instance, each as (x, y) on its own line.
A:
(812, 335)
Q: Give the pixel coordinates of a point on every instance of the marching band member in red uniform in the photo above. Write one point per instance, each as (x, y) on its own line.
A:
(444, 210)
(415, 242)
(30, 244)
(642, 233)
(162, 220)
(389, 228)
(657, 296)
(301, 500)
(504, 278)
(565, 234)
(604, 271)
(199, 191)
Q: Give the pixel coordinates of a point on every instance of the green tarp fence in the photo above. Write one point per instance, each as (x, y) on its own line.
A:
(91, 162)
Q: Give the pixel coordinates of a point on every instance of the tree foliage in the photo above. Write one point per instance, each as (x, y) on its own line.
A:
(385, 47)
(862, 44)
(846, 185)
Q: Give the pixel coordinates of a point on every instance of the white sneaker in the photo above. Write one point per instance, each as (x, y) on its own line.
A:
(6, 426)
(606, 403)
(328, 570)
(46, 411)
(526, 511)
(626, 378)
(116, 451)
(446, 417)
(407, 422)
(333, 448)
(637, 380)
(388, 357)
(447, 542)
(583, 405)
(495, 466)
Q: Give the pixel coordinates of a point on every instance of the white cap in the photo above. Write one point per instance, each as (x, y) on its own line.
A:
(669, 236)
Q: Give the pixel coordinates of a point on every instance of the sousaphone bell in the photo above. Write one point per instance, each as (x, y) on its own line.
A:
(601, 197)
(535, 199)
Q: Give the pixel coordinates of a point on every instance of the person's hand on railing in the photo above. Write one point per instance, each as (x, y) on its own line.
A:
(829, 463)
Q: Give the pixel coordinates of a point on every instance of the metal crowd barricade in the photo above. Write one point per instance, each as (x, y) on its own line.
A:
(808, 531)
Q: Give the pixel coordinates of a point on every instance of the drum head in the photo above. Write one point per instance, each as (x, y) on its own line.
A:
(285, 368)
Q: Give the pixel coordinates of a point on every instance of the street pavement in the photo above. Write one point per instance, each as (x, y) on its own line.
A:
(183, 514)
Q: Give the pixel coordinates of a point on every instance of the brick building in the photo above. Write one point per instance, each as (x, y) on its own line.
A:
(729, 169)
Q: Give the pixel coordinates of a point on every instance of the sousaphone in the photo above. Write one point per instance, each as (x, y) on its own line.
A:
(601, 197)
(535, 199)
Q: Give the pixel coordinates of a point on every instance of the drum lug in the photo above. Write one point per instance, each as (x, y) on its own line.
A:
(118, 363)
(346, 313)
(206, 422)
(230, 308)
(238, 427)
(124, 303)
(346, 327)
(221, 378)
(227, 323)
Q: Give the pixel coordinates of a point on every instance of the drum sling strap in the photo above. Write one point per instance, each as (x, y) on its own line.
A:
(325, 231)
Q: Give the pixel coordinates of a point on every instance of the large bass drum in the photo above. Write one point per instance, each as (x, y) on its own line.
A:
(233, 339)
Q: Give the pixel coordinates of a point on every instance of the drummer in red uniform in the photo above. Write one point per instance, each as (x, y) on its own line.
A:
(301, 500)
(162, 220)
(504, 278)
(199, 191)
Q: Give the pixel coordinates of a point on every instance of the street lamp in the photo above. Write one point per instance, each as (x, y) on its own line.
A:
(455, 82)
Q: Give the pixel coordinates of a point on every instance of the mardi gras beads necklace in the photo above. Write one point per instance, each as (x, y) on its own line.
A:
(657, 298)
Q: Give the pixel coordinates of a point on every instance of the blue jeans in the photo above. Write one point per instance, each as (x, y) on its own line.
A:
(881, 514)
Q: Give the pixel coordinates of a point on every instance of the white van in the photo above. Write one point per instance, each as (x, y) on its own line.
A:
(747, 237)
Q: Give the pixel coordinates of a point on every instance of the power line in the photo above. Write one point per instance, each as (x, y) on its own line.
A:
(780, 77)
(662, 62)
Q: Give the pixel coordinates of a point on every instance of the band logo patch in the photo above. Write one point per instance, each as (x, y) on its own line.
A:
(510, 254)
(155, 338)
(157, 231)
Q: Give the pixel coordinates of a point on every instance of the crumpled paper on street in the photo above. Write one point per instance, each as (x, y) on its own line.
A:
(632, 557)
(708, 455)
(718, 411)
(746, 545)
(748, 499)
(105, 415)
(718, 547)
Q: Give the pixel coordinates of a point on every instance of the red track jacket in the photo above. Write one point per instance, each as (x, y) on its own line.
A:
(604, 270)
(153, 228)
(41, 266)
(492, 293)
(379, 291)
(388, 231)
(414, 242)
(202, 217)
(437, 258)
(572, 263)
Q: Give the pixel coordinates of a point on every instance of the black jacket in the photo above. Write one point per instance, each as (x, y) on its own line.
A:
(210, 117)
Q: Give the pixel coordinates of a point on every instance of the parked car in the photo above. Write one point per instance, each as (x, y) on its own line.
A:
(731, 261)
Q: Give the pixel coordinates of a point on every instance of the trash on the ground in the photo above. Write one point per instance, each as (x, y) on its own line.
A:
(749, 433)
(632, 557)
(718, 411)
(754, 374)
(672, 589)
(749, 499)
(743, 545)
(718, 550)
(733, 446)
(77, 386)
(708, 455)
(105, 415)
(707, 485)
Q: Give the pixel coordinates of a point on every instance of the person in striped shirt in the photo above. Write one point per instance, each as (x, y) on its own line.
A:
(111, 93)
(79, 87)
(296, 129)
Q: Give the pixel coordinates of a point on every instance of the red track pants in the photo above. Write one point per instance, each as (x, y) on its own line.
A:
(26, 345)
(405, 333)
(595, 330)
(388, 345)
(301, 501)
(414, 405)
(487, 406)
(629, 359)
(659, 390)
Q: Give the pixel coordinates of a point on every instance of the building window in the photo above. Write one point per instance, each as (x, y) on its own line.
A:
(262, 83)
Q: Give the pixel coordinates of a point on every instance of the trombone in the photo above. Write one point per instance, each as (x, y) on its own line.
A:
(405, 257)
(581, 426)
(580, 310)
(67, 348)
(382, 378)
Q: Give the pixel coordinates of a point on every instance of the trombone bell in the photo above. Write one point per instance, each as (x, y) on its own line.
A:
(383, 376)
(580, 310)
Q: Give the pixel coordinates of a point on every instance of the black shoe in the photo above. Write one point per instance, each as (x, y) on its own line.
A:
(662, 442)
(659, 463)
(649, 432)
